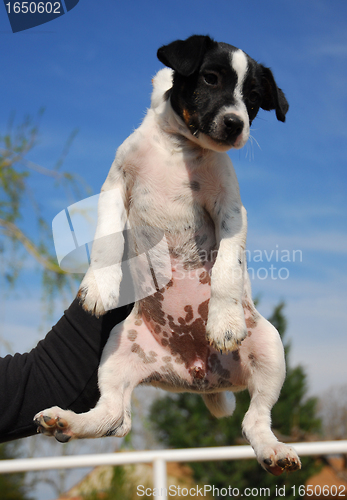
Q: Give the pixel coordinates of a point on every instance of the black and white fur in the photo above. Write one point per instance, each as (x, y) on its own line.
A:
(218, 89)
(199, 331)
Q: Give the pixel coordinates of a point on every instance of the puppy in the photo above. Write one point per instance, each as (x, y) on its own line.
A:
(194, 326)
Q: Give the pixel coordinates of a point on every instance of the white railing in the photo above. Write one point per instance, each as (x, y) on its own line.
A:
(159, 458)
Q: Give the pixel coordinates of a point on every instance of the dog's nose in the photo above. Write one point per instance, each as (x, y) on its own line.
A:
(233, 123)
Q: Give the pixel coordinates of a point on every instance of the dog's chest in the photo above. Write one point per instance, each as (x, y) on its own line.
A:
(168, 193)
(168, 198)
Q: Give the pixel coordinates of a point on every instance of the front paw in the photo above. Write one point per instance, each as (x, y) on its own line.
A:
(99, 291)
(51, 423)
(226, 327)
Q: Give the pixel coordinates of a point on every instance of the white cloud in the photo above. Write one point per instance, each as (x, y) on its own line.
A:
(316, 241)
(328, 49)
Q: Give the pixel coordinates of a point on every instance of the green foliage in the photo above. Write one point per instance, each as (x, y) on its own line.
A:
(182, 421)
(11, 485)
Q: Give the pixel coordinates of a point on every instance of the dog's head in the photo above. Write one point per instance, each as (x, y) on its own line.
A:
(218, 89)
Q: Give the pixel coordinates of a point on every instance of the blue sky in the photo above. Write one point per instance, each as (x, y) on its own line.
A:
(91, 69)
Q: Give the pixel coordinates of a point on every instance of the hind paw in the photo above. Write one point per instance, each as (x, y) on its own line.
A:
(280, 458)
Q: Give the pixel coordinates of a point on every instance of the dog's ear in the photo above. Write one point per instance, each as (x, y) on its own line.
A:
(273, 97)
(185, 56)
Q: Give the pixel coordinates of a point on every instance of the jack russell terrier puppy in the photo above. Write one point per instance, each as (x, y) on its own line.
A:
(194, 326)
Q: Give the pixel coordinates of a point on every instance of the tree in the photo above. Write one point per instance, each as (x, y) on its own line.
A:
(17, 175)
(182, 421)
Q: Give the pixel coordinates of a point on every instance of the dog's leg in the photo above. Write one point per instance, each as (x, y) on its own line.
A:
(266, 376)
(226, 324)
(99, 290)
(273, 456)
(110, 417)
(220, 404)
(120, 372)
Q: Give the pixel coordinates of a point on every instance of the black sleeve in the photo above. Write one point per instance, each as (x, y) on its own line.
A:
(60, 371)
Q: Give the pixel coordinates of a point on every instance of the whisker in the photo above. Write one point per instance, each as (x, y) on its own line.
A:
(249, 149)
(255, 140)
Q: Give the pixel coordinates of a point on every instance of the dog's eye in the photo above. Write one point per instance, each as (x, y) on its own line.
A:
(253, 96)
(211, 78)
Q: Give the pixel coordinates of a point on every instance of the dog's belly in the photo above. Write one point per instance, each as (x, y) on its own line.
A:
(174, 325)
(174, 333)
(176, 315)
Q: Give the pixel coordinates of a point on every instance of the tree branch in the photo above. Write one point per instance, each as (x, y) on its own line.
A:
(13, 231)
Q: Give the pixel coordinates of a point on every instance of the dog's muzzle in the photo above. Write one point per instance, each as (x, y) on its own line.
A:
(233, 123)
(229, 130)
